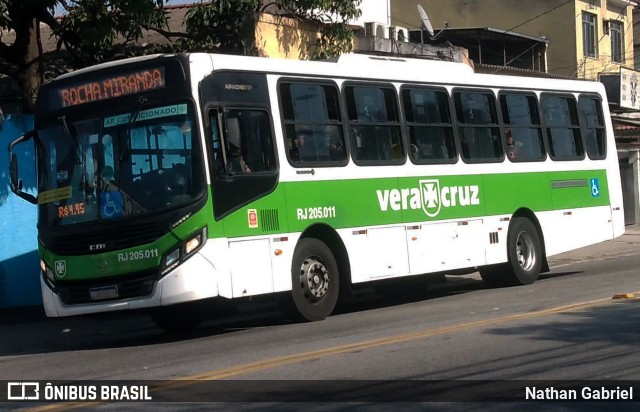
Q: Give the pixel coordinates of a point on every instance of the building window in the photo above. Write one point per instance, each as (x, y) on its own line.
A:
(617, 43)
(589, 33)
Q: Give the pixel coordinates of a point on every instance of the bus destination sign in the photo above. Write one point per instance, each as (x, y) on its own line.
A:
(107, 88)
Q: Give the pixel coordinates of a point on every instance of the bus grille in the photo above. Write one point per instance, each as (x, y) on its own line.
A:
(113, 238)
(137, 285)
(269, 219)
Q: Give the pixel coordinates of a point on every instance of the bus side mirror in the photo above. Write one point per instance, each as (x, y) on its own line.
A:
(16, 184)
(14, 181)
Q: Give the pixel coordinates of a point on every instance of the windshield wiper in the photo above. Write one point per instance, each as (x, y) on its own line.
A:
(72, 132)
(142, 101)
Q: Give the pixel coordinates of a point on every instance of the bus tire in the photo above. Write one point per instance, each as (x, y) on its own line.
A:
(315, 281)
(524, 251)
(177, 318)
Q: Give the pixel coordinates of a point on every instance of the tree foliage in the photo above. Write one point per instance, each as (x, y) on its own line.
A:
(93, 31)
(96, 30)
(333, 16)
(217, 26)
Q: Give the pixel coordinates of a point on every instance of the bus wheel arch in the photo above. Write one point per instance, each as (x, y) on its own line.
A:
(526, 256)
(527, 213)
(319, 273)
(333, 240)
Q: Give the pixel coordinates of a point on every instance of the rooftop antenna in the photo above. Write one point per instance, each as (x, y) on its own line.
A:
(426, 25)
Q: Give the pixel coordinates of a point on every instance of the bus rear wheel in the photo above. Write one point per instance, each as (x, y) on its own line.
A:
(524, 250)
(314, 280)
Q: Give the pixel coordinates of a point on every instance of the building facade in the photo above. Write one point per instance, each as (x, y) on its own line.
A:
(586, 37)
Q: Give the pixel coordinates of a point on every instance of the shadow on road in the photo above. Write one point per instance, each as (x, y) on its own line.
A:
(37, 334)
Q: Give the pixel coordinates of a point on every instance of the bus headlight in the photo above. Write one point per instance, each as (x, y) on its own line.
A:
(193, 243)
(184, 250)
(47, 273)
(172, 258)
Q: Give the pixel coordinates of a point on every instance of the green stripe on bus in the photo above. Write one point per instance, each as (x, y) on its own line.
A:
(397, 200)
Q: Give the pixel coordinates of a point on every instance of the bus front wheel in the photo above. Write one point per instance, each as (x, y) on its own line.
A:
(524, 250)
(314, 280)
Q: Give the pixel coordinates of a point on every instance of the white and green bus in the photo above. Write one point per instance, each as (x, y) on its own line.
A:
(170, 179)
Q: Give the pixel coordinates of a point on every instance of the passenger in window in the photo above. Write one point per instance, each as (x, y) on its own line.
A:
(107, 182)
(336, 149)
(413, 151)
(236, 161)
(511, 146)
(297, 145)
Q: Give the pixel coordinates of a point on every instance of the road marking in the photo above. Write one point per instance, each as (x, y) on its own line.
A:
(624, 296)
(258, 366)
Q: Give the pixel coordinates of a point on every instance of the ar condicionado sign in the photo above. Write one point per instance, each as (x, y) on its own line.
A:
(140, 81)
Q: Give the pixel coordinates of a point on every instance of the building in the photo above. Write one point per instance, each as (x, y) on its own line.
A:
(586, 37)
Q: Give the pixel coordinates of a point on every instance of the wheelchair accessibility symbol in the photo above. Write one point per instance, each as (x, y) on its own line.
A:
(595, 188)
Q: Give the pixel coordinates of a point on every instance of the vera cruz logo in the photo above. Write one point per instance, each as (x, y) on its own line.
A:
(430, 192)
(61, 268)
(429, 196)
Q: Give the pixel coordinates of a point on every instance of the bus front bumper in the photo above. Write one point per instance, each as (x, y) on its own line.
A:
(194, 279)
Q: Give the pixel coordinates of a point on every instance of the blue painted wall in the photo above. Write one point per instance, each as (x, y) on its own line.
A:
(19, 262)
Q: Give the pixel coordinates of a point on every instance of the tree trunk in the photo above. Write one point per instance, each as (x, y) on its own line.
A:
(31, 78)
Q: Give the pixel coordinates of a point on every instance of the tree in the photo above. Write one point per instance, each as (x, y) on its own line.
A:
(85, 35)
(19, 60)
(333, 16)
(97, 30)
(219, 25)
(93, 31)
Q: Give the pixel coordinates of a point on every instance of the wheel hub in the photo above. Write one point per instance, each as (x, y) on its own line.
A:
(314, 279)
(525, 251)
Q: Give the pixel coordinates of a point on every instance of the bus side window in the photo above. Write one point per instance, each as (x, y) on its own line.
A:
(216, 144)
(593, 126)
(478, 126)
(312, 124)
(246, 144)
(429, 125)
(374, 123)
(563, 130)
(523, 129)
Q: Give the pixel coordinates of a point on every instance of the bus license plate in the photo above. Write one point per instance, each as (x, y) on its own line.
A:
(106, 292)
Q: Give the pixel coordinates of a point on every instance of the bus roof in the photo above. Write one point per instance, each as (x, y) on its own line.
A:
(399, 69)
(370, 67)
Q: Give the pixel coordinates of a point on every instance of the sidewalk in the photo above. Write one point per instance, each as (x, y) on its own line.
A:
(627, 244)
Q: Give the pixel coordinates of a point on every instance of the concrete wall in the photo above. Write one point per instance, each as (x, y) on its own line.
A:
(277, 36)
(630, 176)
(558, 22)
(19, 262)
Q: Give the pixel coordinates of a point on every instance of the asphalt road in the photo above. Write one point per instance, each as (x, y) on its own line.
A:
(564, 327)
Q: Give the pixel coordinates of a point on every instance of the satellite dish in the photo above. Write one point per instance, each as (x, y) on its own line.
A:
(425, 20)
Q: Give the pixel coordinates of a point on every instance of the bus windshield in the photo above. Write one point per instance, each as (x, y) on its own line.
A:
(118, 166)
